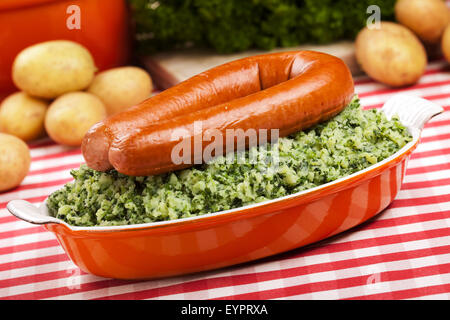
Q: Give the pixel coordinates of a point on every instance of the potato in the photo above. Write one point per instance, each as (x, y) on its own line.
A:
(445, 43)
(52, 68)
(70, 116)
(426, 18)
(23, 116)
(15, 161)
(391, 54)
(121, 88)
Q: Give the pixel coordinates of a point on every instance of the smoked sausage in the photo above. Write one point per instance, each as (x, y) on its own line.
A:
(288, 91)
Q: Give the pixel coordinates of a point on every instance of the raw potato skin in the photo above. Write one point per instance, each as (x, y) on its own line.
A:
(445, 44)
(23, 116)
(391, 54)
(50, 69)
(426, 18)
(15, 161)
(121, 88)
(70, 116)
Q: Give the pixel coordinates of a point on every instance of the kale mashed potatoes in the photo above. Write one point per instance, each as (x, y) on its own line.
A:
(353, 140)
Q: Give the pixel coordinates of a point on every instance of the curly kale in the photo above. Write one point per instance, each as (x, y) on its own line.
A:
(237, 25)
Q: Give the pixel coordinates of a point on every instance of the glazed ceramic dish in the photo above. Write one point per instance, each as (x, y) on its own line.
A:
(230, 237)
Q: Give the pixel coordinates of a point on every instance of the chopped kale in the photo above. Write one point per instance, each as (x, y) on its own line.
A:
(353, 140)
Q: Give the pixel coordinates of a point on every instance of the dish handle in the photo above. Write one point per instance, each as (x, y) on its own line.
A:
(413, 111)
(28, 212)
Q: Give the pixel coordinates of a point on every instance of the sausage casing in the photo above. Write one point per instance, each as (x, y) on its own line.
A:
(288, 91)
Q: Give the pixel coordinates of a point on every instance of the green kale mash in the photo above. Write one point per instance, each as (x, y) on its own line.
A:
(353, 140)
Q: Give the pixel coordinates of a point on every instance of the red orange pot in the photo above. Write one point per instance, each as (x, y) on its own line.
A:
(229, 237)
(103, 30)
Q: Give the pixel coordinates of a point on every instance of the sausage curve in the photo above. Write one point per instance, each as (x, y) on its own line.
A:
(289, 91)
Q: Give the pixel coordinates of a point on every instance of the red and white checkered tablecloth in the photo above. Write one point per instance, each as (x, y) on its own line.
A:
(403, 253)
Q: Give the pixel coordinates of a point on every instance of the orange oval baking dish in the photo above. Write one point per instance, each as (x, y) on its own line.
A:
(216, 240)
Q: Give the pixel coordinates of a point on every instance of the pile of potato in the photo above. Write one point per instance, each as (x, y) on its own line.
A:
(62, 96)
(395, 53)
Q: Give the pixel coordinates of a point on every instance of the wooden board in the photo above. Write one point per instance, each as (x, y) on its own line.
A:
(170, 68)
